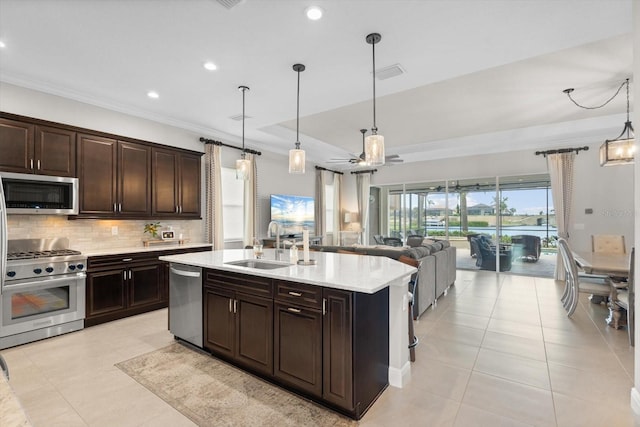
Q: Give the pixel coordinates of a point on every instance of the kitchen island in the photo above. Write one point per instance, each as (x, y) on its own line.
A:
(335, 331)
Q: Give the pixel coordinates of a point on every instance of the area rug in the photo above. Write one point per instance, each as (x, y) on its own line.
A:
(213, 393)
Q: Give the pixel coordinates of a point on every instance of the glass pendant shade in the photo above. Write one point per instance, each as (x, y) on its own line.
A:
(296, 161)
(374, 150)
(243, 168)
(617, 152)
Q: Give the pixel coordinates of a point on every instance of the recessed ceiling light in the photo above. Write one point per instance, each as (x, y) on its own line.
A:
(210, 66)
(2, 45)
(153, 94)
(314, 13)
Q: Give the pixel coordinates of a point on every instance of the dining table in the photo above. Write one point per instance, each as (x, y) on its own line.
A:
(603, 263)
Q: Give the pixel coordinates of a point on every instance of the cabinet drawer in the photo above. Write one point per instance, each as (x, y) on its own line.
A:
(121, 260)
(298, 293)
(254, 285)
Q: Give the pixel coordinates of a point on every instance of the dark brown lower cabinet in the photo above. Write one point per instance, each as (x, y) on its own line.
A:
(239, 327)
(298, 347)
(329, 345)
(127, 284)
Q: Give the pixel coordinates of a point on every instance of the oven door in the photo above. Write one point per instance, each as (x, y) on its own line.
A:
(32, 305)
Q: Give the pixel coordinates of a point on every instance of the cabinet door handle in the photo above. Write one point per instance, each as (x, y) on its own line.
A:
(180, 208)
(115, 208)
(176, 208)
(129, 274)
(235, 305)
(38, 164)
(31, 164)
(120, 207)
(294, 310)
(295, 294)
(124, 275)
(324, 306)
(230, 308)
(127, 259)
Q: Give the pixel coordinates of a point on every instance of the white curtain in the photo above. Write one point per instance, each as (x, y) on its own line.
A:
(363, 182)
(321, 205)
(250, 202)
(561, 174)
(337, 188)
(213, 196)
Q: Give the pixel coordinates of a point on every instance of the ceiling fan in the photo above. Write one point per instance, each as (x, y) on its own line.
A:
(360, 159)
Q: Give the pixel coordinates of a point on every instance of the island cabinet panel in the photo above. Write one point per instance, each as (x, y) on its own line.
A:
(338, 349)
(238, 319)
(37, 149)
(327, 344)
(298, 347)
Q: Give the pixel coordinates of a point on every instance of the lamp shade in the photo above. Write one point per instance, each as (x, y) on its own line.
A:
(243, 167)
(374, 150)
(296, 161)
(617, 152)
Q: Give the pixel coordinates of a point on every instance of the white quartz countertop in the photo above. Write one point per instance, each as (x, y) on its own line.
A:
(358, 273)
(152, 248)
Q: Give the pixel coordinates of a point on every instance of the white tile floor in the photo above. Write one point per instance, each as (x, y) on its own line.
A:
(496, 351)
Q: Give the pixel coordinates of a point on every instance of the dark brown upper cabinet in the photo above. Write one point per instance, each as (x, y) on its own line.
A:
(176, 184)
(37, 149)
(115, 178)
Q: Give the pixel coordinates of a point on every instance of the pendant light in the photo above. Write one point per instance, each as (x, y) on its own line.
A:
(374, 143)
(296, 155)
(243, 166)
(620, 150)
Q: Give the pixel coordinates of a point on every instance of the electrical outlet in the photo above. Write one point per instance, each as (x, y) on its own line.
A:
(114, 230)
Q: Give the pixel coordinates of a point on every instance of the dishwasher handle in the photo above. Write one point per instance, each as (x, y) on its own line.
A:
(185, 273)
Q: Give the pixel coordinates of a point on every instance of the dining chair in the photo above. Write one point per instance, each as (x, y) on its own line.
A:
(609, 243)
(623, 296)
(574, 284)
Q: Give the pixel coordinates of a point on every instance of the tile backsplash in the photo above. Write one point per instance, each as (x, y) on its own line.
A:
(96, 234)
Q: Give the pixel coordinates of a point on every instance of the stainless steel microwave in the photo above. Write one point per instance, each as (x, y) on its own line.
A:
(39, 194)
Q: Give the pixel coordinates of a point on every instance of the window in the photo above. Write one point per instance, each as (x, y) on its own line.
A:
(232, 205)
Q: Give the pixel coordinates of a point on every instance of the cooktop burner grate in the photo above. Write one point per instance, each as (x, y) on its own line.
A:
(42, 254)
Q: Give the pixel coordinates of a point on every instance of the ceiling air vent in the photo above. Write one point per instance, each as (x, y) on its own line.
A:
(390, 71)
(238, 117)
(229, 3)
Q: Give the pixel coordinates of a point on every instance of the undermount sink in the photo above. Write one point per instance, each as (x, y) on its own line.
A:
(259, 263)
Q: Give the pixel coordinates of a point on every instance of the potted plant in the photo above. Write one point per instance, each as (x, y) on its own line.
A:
(152, 228)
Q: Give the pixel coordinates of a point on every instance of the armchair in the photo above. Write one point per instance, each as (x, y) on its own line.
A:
(526, 247)
(486, 257)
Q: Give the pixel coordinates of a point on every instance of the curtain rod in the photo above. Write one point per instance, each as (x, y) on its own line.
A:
(371, 171)
(214, 142)
(328, 170)
(562, 150)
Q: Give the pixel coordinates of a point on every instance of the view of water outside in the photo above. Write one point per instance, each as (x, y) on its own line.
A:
(522, 211)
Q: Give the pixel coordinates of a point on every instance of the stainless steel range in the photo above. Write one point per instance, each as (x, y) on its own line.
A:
(43, 291)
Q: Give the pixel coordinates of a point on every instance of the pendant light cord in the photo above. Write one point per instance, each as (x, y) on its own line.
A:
(568, 92)
(243, 90)
(298, 113)
(374, 129)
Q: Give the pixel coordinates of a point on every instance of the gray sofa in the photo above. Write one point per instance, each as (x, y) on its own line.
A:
(437, 267)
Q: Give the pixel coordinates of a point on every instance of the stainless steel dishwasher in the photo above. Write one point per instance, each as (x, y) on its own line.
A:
(185, 303)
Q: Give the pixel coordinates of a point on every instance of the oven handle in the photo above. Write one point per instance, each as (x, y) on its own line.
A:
(42, 283)
(3, 237)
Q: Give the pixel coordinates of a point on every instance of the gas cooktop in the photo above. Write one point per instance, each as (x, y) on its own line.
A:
(41, 254)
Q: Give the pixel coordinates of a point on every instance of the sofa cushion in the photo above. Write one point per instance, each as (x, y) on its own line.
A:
(393, 253)
(420, 252)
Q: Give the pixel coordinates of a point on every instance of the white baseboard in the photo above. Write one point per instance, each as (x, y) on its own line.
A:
(400, 377)
(635, 403)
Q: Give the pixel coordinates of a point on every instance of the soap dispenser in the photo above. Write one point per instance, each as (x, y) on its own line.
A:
(293, 254)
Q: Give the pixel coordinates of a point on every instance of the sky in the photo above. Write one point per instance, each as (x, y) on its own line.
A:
(526, 202)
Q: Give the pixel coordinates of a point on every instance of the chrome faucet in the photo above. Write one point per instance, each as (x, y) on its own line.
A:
(278, 250)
